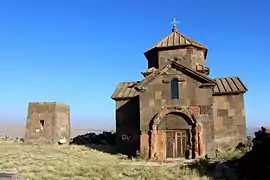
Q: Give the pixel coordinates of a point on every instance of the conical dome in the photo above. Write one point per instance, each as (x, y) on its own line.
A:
(177, 39)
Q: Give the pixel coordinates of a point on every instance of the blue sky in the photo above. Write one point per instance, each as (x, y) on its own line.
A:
(76, 52)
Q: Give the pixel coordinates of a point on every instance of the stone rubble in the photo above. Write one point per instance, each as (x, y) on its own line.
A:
(11, 176)
(8, 138)
(104, 138)
(254, 164)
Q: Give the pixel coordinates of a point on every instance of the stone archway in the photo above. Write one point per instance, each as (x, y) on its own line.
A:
(182, 111)
(177, 128)
(173, 130)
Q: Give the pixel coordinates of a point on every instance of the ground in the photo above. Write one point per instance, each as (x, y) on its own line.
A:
(78, 162)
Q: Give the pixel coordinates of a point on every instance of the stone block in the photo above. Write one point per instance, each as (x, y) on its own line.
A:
(195, 110)
(11, 176)
(163, 102)
(206, 109)
(161, 144)
(231, 112)
(158, 95)
(144, 145)
(222, 112)
(151, 102)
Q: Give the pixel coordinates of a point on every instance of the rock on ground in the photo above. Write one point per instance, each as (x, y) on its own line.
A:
(11, 176)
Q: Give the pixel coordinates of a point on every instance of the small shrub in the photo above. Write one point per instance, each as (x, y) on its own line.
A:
(229, 155)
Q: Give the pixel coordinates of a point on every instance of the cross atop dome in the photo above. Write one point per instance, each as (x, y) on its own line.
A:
(174, 23)
(176, 39)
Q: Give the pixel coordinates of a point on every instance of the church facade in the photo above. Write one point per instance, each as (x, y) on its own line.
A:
(177, 110)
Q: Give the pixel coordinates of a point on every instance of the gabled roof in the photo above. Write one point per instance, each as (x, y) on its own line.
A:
(229, 85)
(125, 90)
(169, 65)
(226, 85)
(177, 39)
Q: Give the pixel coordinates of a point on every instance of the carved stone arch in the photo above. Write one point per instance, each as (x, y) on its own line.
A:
(178, 77)
(182, 111)
(185, 128)
(168, 79)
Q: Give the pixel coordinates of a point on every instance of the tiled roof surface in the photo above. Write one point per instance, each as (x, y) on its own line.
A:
(175, 38)
(226, 85)
(125, 90)
(229, 85)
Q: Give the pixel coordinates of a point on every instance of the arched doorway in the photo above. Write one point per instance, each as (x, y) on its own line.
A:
(177, 128)
(172, 133)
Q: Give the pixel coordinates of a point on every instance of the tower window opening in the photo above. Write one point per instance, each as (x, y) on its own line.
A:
(41, 123)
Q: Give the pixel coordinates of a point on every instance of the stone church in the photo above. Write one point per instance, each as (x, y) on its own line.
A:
(177, 110)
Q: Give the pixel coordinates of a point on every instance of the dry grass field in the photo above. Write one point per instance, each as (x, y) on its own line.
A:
(77, 162)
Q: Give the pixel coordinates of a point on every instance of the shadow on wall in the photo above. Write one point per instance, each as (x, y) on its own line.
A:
(254, 164)
(104, 141)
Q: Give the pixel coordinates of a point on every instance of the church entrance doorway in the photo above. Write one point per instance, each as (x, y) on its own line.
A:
(176, 143)
(178, 136)
(173, 134)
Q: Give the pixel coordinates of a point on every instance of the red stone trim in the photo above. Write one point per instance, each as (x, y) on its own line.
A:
(182, 110)
(157, 150)
(194, 110)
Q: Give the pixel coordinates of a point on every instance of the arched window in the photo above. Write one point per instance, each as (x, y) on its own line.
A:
(174, 89)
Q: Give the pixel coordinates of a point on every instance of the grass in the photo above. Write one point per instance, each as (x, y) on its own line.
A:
(78, 163)
(230, 155)
(208, 166)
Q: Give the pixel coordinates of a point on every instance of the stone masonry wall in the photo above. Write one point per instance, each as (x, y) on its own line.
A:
(158, 145)
(43, 126)
(62, 123)
(127, 126)
(157, 95)
(190, 55)
(40, 112)
(144, 144)
(229, 120)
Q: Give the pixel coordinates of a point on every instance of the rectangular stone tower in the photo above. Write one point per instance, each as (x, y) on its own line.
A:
(47, 123)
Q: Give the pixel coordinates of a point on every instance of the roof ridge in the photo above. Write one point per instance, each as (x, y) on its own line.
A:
(226, 77)
(170, 63)
(195, 72)
(153, 74)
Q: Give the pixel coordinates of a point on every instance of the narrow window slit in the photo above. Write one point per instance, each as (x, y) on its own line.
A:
(41, 123)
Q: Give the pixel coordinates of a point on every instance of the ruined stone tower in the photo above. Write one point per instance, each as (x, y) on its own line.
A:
(47, 123)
